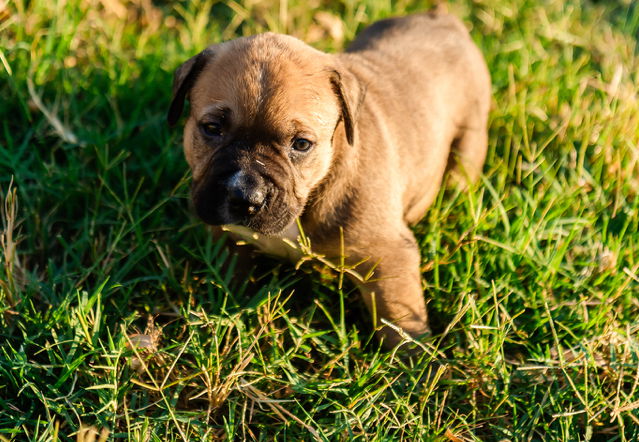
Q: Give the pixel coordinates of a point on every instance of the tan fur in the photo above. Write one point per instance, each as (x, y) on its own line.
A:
(414, 94)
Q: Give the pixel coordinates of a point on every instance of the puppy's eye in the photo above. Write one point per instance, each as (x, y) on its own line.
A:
(302, 144)
(211, 129)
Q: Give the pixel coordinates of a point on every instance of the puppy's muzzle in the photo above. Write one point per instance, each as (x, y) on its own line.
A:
(246, 194)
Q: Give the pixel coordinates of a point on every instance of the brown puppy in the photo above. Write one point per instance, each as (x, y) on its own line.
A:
(279, 132)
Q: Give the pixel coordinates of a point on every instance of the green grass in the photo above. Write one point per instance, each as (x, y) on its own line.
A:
(116, 308)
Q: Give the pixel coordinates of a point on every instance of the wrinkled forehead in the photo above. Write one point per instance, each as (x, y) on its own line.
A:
(268, 89)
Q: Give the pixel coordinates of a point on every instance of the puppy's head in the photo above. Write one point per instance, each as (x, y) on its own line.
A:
(259, 137)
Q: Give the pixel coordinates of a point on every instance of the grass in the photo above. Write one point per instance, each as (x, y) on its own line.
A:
(118, 313)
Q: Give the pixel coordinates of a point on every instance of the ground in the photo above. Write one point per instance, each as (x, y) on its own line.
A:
(118, 312)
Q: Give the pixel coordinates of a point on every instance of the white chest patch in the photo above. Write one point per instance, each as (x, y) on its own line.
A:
(282, 246)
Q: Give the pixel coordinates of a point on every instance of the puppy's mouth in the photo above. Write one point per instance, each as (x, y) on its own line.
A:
(245, 200)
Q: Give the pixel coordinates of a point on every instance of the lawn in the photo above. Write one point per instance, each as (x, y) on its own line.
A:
(119, 313)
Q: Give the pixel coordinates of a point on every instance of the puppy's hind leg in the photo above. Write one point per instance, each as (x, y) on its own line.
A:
(467, 155)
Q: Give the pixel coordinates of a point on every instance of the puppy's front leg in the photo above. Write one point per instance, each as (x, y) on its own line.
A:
(394, 292)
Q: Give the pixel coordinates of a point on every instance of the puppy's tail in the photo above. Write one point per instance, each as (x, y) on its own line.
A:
(440, 8)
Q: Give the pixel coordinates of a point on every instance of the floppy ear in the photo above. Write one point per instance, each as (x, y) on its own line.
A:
(350, 96)
(183, 81)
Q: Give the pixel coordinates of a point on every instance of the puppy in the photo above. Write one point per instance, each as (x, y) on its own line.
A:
(351, 146)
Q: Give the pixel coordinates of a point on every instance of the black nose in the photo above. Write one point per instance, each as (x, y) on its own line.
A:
(245, 194)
